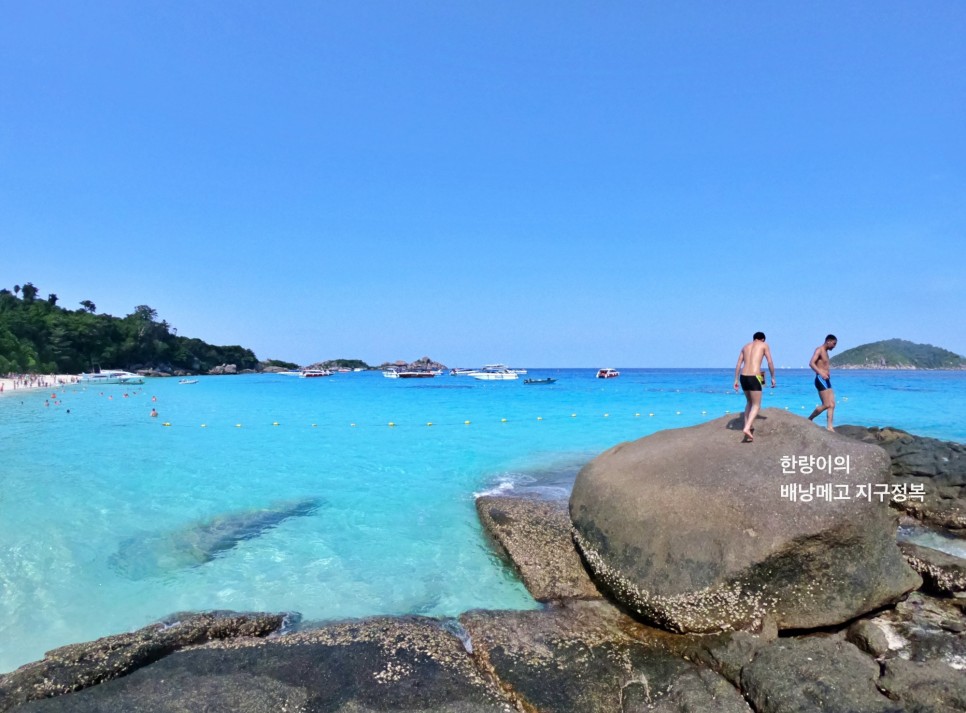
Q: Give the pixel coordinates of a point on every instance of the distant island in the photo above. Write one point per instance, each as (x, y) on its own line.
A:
(898, 354)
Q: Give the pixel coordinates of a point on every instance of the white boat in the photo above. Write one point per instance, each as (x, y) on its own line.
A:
(313, 373)
(110, 376)
(607, 373)
(391, 374)
(494, 372)
(188, 381)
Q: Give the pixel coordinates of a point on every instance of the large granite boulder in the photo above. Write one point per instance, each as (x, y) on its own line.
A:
(696, 531)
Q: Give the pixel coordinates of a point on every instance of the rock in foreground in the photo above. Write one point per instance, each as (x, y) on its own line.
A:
(535, 537)
(380, 664)
(691, 529)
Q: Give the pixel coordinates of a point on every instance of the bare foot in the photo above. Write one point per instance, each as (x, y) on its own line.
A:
(748, 437)
(830, 429)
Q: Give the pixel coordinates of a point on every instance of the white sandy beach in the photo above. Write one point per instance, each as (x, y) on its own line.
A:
(26, 382)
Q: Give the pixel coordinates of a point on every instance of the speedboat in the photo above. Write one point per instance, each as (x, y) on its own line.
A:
(110, 376)
(539, 381)
(188, 381)
(391, 374)
(607, 373)
(314, 373)
(494, 372)
(417, 374)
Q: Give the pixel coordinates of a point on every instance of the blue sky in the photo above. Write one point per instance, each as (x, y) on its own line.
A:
(544, 183)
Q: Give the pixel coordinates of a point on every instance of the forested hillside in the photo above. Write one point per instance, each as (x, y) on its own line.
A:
(38, 336)
(898, 354)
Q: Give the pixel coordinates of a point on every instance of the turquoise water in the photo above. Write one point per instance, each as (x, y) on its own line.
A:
(110, 519)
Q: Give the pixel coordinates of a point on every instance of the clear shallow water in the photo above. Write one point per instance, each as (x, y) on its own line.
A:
(110, 520)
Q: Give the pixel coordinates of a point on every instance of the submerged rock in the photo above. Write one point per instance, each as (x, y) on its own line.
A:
(157, 553)
(690, 528)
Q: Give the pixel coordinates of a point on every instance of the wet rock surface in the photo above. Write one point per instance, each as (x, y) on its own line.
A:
(924, 628)
(587, 656)
(404, 664)
(941, 573)
(939, 467)
(534, 536)
(814, 674)
(78, 666)
(924, 687)
(689, 528)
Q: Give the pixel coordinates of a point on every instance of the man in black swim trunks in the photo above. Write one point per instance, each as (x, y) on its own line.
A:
(746, 374)
(822, 366)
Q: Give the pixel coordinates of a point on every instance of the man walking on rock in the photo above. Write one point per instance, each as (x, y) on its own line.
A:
(747, 374)
(822, 366)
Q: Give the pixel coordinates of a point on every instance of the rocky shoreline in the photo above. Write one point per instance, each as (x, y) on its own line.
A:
(584, 650)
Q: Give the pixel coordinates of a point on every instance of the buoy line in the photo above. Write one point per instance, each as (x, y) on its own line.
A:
(572, 417)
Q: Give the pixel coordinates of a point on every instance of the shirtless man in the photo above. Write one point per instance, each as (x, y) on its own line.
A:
(822, 366)
(746, 373)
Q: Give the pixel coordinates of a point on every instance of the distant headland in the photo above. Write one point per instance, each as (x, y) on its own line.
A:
(39, 336)
(898, 354)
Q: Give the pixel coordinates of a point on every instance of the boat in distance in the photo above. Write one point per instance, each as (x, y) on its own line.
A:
(396, 374)
(314, 373)
(110, 376)
(548, 380)
(607, 373)
(494, 372)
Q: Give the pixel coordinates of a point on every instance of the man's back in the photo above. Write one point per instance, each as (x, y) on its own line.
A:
(752, 354)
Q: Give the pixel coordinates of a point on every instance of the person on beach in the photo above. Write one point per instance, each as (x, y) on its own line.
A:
(747, 374)
(822, 366)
